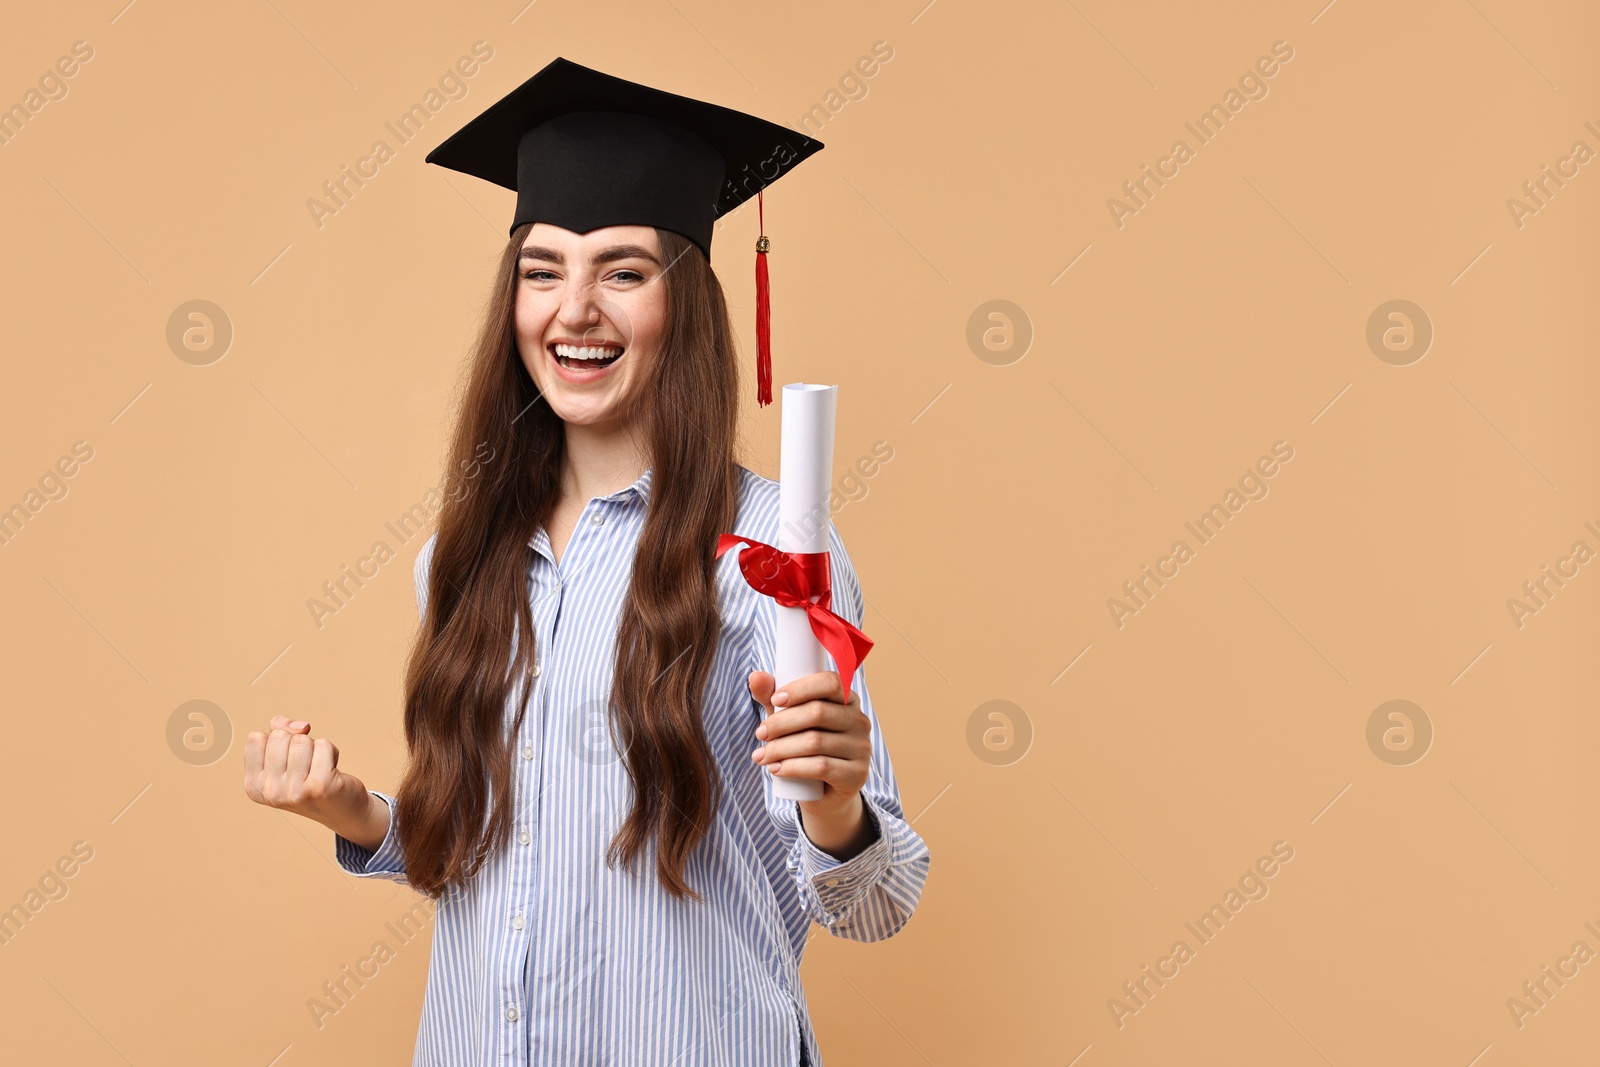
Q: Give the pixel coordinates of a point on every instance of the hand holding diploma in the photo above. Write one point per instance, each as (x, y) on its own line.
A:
(811, 731)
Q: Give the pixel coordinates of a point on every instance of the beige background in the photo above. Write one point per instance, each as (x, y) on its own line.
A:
(1229, 313)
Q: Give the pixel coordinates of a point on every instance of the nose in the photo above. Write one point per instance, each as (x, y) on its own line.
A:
(579, 306)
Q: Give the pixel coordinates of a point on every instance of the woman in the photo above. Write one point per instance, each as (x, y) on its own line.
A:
(615, 881)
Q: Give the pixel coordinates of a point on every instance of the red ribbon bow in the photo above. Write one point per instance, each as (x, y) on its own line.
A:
(792, 579)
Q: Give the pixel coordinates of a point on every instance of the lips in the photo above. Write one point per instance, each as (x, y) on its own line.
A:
(587, 356)
(580, 363)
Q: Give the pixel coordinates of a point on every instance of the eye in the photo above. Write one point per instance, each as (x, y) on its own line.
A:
(627, 277)
(538, 275)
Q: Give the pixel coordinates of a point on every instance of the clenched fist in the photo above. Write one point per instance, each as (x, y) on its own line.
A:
(289, 769)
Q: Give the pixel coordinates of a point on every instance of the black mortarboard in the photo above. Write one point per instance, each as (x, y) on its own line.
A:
(584, 149)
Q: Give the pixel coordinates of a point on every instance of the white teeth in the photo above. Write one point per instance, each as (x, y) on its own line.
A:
(587, 351)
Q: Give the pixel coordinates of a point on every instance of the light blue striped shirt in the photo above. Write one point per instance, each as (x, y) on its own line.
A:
(549, 957)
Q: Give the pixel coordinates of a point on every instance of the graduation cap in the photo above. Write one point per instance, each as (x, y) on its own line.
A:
(583, 149)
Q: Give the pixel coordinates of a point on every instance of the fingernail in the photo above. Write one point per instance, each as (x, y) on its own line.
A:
(298, 725)
(774, 768)
(780, 697)
(756, 755)
(761, 731)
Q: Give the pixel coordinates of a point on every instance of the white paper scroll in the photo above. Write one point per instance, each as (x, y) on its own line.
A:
(805, 482)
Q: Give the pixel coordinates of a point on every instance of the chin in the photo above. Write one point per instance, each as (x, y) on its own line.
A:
(584, 412)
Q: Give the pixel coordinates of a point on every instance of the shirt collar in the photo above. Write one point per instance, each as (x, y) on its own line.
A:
(639, 490)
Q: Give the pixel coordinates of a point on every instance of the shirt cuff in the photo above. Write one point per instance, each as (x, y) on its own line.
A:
(388, 861)
(839, 884)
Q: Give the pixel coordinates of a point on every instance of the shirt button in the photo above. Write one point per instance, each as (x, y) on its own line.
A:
(511, 1013)
(537, 670)
(831, 882)
(525, 837)
(517, 923)
(599, 519)
(527, 751)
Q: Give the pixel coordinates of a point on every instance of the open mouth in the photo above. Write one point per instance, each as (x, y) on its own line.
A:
(586, 357)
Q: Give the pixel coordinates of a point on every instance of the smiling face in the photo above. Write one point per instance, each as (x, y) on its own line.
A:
(590, 312)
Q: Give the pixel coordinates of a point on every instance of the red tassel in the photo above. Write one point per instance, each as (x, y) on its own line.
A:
(763, 315)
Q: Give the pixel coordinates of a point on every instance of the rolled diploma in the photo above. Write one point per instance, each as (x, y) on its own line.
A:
(805, 480)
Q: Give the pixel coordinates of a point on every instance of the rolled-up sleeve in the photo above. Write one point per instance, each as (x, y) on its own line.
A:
(387, 861)
(871, 895)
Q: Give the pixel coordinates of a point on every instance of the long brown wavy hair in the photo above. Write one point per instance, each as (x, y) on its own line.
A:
(463, 669)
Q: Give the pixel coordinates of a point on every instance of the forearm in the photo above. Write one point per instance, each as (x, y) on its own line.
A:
(842, 835)
(366, 825)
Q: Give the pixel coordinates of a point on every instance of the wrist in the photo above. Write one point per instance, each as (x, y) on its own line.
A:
(364, 823)
(842, 834)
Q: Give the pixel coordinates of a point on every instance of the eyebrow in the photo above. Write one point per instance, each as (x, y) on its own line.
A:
(608, 255)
